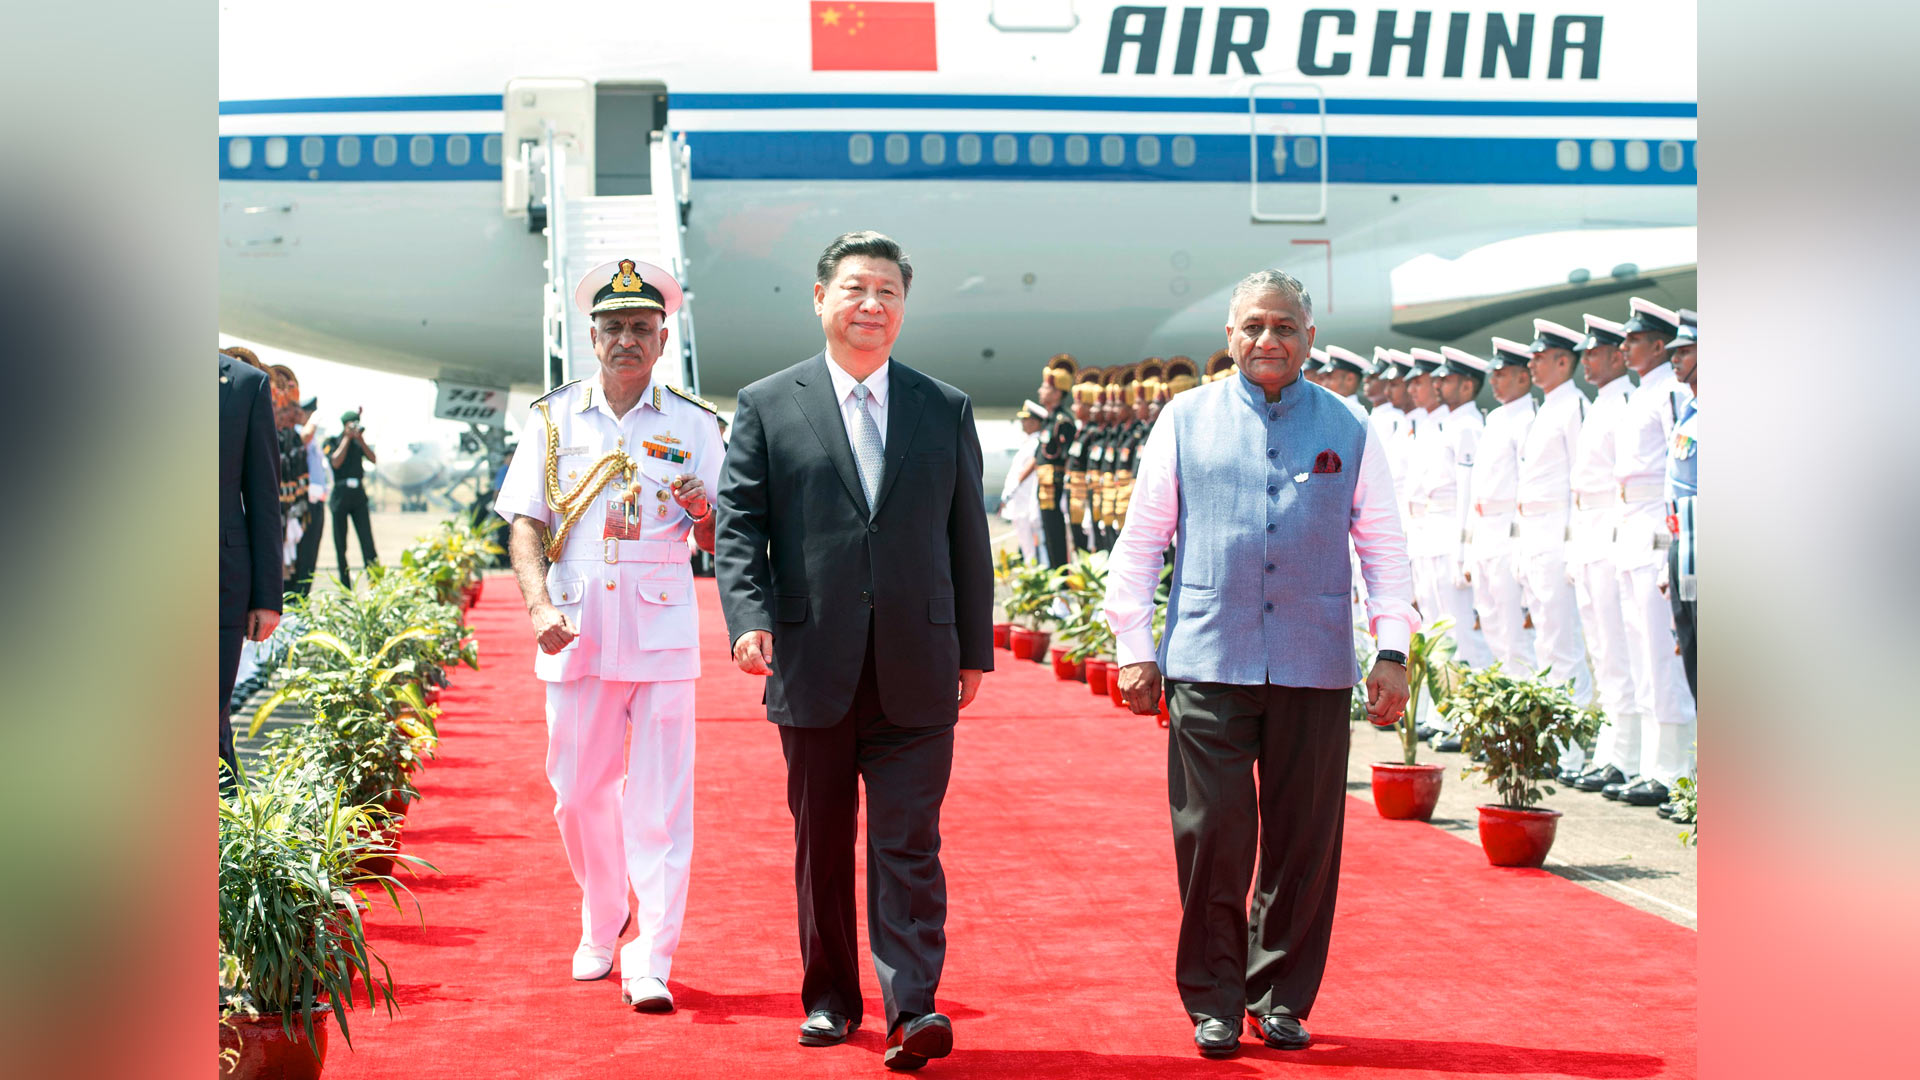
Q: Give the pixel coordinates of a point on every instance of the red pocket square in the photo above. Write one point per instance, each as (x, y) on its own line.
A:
(1326, 462)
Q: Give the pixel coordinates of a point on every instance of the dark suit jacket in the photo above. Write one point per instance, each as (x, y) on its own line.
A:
(250, 532)
(798, 554)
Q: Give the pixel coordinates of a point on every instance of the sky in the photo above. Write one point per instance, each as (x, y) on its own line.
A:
(397, 410)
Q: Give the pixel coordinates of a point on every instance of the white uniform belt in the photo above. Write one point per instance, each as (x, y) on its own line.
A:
(350, 481)
(1644, 489)
(1441, 506)
(1594, 500)
(613, 550)
(1540, 508)
(1495, 507)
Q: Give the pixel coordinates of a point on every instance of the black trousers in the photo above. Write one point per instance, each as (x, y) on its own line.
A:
(1053, 532)
(1079, 534)
(1684, 613)
(350, 505)
(306, 554)
(1294, 741)
(230, 641)
(906, 771)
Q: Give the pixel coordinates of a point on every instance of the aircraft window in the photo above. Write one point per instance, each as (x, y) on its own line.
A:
(1567, 154)
(1306, 151)
(1040, 149)
(1147, 149)
(1005, 149)
(313, 151)
(1113, 149)
(490, 149)
(276, 153)
(1636, 155)
(1076, 149)
(968, 148)
(1601, 155)
(346, 151)
(385, 150)
(240, 152)
(459, 149)
(860, 149)
(420, 150)
(933, 148)
(1183, 150)
(896, 149)
(1671, 156)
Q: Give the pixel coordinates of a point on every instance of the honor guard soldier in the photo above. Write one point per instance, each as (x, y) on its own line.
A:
(1492, 568)
(1138, 396)
(1219, 366)
(614, 472)
(1387, 415)
(1086, 403)
(1099, 471)
(1117, 466)
(1644, 433)
(1683, 486)
(1050, 457)
(1343, 371)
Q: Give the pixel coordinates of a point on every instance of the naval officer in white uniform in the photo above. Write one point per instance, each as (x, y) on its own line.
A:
(614, 472)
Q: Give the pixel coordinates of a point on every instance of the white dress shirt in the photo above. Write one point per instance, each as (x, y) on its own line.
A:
(876, 399)
(1496, 465)
(1594, 450)
(1153, 517)
(1545, 467)
(1646, 432)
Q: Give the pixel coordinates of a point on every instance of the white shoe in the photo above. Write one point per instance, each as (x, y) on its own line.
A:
(592, 962)
(646, 994)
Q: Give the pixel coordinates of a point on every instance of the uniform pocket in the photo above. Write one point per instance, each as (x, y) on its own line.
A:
(564, 591)
(666, 592)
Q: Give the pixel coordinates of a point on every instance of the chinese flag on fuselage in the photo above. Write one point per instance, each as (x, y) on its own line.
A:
(852, 35)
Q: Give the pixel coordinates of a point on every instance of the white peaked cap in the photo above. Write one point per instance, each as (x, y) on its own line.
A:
(1463, 358)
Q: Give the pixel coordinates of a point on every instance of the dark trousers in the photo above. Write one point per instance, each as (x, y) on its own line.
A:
(1294, 741)
(1079, 533)
(906, 771)
(350, 504)
(230, 640)
(307, 552)
(1684, 612)
(1053, 532)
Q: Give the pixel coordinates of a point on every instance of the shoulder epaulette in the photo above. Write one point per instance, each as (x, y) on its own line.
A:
(700, 401)
(553, 391)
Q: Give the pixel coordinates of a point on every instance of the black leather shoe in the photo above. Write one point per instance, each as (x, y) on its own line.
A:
(917, 1038)
(1216, 1037)
(1567, 777)
(1282, 1032)
(1597, 778)
(1447, 744)
(1648, 792)
(823, 1028)
(1665, 810)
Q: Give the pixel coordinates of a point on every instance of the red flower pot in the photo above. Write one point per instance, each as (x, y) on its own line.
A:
(266, 1053)
(1041, 638)
(1063, 668)
(1113, 687)
(1406, 792)
(1021, 639)
(1001, 634)
(1517, 837)
(1080, 670)
(1096, 675)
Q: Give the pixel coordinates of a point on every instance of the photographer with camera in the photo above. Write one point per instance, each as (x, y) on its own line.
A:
(348, 452)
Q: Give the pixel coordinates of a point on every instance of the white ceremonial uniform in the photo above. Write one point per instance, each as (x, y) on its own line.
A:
(1596, 584)
(626, 682)
(1438, 471)
(1543, 510)
(1642, 437)
(1358, 590)
(1020, 499)
(1490, 525)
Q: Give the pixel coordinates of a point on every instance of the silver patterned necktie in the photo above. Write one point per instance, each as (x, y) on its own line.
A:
(868, 453)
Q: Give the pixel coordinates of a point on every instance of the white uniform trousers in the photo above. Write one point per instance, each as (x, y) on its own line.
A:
(1558, 645)
(637, 834)
(1440, 598)
(1597, 584)
(1497, 597)
(1661, 698)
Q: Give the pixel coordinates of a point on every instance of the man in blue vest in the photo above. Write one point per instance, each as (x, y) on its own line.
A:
(1264, 478)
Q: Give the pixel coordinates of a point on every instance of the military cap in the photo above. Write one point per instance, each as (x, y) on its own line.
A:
(1182, 375)
(1346, 360)
(1060, 371)
(1548, 334)
(1316, 360)
(351, 416)
(1510, 353)
(1383, 366)
(1462, 362)
(1649, 316)
(1600, 332)
(1031, 410)
(1220, 365)
(1689, 332)
(625, 284)
(310, 404)
(1426, 361)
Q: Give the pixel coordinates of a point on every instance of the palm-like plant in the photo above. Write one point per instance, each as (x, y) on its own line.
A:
(1519, 725)
(343, 681)
(450, 560)
(1035, 586)
(367, 755)
(1430, 670)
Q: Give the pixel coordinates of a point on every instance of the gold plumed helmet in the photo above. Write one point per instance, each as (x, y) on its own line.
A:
(1119, 379)
(1220, 365)
(1060, 371)
(1181, 376)
(1149, 375)
(1086, 387)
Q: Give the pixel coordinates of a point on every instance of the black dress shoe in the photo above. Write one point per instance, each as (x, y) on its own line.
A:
(1567, 777)
(1612, 791)
(1596, 779)
(1665, 810)
(1216, 1037)
(1282, 1032)
(823, 1028)
(915, 1039)
(1648, 792)
(1447, 744)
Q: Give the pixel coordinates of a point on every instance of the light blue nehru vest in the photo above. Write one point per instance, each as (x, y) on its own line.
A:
(1261, 574)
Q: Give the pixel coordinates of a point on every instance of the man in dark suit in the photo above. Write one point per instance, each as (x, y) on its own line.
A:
(855, 574)
(249, 527)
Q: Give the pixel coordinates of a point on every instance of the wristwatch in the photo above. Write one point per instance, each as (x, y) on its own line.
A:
(1392, 656)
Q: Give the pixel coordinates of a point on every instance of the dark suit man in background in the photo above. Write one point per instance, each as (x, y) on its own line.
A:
(249, 528)
(855, 574)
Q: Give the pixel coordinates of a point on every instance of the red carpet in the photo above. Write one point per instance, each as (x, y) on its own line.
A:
(1061, 926)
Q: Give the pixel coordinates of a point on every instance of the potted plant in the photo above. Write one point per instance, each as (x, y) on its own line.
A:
(1035, 587)
(1514, 729)
(1407, 790)
(1006, 563)
(1084, 634)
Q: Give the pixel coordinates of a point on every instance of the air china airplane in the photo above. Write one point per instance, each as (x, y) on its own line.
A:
(1067, 175)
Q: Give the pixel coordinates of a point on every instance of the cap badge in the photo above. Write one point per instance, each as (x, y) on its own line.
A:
(626, 279)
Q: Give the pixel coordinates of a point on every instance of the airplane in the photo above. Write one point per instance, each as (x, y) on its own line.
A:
(1066, 175)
